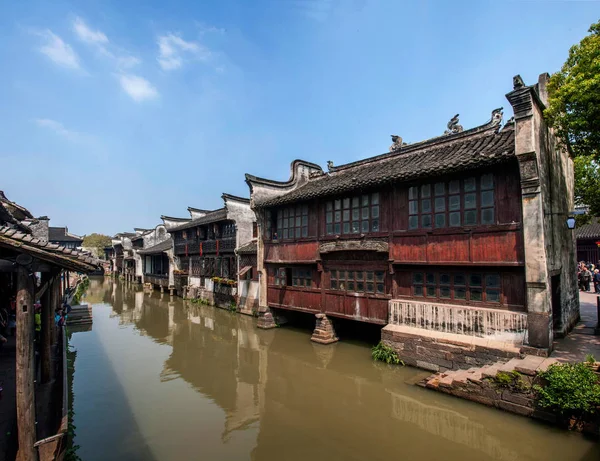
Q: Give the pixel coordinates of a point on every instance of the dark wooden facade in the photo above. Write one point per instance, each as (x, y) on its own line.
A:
(448, 239)
(207, 250)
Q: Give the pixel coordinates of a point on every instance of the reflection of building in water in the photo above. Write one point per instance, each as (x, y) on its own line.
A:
(308, 393)
(221, 359)
(450, 425)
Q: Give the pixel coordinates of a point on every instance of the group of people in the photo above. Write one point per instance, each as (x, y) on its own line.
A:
(588, 276)
(8, 319)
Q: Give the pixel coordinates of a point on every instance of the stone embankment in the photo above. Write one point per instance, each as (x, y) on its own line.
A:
(504, 385)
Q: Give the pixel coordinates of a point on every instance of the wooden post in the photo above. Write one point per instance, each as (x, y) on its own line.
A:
(48, 306)
(55, 303)
(25, 367)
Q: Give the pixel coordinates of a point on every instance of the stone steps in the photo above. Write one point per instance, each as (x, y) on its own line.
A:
(80, 315)
(529, 365)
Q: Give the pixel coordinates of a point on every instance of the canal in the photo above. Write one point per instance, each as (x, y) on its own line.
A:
(161, 379)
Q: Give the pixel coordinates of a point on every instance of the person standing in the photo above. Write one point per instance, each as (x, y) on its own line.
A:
(596, 281)
(586, 277)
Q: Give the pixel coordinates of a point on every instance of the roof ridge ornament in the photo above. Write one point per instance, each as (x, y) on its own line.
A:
(453, 126)
(497, 115)
(397, 143)
(518, 82)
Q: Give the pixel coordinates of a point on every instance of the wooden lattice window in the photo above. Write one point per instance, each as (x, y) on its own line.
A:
(358, 281)
(301, 277)
(455, 203)
(352, 215)
(292, 222)
(458, 286)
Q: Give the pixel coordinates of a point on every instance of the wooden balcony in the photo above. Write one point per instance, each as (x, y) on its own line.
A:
(209, 247)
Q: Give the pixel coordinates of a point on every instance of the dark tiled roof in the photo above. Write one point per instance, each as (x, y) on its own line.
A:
(588, 231)
(158, 248)
(59, 234)
(47, 251)
(213, 216)
(247, 248)
(440, 155)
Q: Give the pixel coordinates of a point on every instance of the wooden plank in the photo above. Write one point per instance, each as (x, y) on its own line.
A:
(46, 333)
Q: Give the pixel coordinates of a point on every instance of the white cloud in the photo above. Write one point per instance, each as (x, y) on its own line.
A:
(207, 29)
(172, 49)
(88, 35)
(58, 128)
(138, 88)
(98, 39)
(58, 51)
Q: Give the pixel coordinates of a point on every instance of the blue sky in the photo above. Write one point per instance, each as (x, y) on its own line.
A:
(113, 113)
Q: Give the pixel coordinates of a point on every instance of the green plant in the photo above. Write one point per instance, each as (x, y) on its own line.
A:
(81, 289)
(511, 380)
(386, 354)
(232, 307)
(570, 389)
(590, 359)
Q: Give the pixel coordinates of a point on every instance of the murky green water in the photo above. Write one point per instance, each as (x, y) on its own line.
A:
(163, 380)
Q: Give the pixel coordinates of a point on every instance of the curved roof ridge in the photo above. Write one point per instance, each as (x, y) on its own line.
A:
(488, 128)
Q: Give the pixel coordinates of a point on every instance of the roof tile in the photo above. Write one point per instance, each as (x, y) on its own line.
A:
(412, 162)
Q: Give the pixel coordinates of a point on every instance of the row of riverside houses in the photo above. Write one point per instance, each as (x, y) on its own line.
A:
(209, 256)
(459, 241)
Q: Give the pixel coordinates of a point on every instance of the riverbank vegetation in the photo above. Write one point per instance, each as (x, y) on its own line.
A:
(384, 353)
(81, 289)
(571, 390)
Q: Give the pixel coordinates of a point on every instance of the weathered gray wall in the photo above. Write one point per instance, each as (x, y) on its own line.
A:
(547, 196)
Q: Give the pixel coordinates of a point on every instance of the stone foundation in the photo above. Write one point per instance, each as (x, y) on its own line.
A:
(266, 320)
(324, 332)
(435, 351)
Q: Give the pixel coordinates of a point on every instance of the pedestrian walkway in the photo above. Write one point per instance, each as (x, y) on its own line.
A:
(581, 341)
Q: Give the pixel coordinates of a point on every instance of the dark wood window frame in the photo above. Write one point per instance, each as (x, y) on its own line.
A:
(451, 204)
(301, 277)
(294, 277)
(358, 281)
(359, 214)
(477, 287)
(291, 224)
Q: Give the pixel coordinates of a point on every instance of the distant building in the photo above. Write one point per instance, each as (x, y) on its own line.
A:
(588, 242)
(61, 236)
(205, 250)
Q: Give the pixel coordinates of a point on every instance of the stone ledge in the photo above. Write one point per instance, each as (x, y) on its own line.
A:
(434, 350)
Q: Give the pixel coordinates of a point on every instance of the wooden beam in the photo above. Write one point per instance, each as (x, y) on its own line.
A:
(25, 367)
(47, 324)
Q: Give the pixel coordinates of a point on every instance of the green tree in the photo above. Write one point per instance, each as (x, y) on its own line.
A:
(587, 186)
(97, 242)
(574, 97)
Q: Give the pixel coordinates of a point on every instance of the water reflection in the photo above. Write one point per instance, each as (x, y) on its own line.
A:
(210, 385)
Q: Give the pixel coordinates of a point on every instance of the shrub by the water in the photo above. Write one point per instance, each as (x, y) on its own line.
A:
(570, 389)
(386, 354)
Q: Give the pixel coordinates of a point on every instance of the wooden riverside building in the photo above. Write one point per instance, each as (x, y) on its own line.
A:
(33, 268)
(458, 237)
(205, 246)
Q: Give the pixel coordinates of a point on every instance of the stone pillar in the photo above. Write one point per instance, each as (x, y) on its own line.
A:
(324, 332)
(528, 110)
(266, 320)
